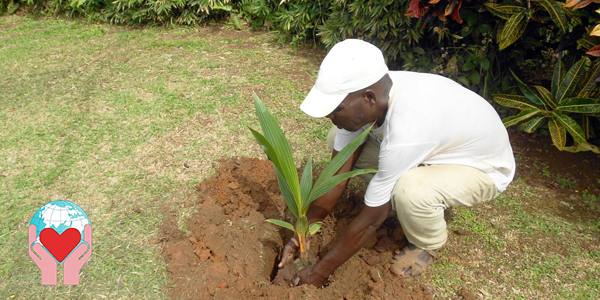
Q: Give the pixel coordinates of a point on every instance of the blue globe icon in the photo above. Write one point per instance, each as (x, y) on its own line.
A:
(59, 215)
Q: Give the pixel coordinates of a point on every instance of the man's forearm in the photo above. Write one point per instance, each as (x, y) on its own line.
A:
(362, 228)
(324, 205)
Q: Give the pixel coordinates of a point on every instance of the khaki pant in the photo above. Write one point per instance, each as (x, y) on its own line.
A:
(421, 195)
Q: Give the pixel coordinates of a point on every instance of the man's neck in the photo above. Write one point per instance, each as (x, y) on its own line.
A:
(382, 116)
(383, 111)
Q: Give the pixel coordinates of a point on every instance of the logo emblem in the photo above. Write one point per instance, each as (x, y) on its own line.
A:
(60, 232)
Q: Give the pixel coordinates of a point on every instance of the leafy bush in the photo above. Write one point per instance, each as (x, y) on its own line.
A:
(518, 16)
(383, 23)
(130, 12)
(327, 22)
(439, 8)
(572, 100)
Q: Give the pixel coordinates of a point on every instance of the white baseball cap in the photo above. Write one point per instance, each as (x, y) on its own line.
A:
(349, 66)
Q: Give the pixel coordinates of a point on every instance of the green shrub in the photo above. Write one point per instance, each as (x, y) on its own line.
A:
(382, 23)
(567, 107)
(130, 12)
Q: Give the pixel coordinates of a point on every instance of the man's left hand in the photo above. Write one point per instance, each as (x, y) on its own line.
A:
(309, 276)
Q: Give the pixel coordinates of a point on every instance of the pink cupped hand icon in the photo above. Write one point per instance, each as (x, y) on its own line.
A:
(42, 258)
(78, 258)
(72, 264)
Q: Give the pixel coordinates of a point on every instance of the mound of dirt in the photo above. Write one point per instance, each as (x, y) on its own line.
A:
(230, 252)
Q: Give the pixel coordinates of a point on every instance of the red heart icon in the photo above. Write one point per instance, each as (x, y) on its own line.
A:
(60, 245)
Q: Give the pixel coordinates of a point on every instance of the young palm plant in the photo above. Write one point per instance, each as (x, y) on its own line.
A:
(299, 192)
(573, 95)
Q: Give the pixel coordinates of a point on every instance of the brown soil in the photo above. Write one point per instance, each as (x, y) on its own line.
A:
(534, 153)
(230, 252)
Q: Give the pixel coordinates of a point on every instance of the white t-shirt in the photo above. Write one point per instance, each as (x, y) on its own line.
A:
(434, 120)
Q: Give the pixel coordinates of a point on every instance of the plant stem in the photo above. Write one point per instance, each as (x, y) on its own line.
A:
(303, 252)
(301, 229)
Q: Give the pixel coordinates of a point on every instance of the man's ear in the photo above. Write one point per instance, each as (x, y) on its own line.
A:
(369, 96)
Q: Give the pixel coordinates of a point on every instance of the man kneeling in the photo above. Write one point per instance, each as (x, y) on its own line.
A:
(434, 143)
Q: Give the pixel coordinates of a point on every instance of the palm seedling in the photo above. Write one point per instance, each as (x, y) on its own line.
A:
(299, 192)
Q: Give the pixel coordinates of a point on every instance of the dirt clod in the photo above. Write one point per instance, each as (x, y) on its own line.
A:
(386, 244)
(465, 294)
(374, 274)
(372, 260)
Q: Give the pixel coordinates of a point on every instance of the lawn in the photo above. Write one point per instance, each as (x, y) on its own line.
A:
(126, 122)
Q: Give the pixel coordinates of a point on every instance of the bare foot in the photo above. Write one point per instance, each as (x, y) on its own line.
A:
(411, 261)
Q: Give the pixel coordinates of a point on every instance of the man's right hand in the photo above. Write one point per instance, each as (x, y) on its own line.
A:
(290, 252)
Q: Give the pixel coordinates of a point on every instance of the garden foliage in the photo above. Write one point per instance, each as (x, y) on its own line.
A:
(129, 12)
(566, 107)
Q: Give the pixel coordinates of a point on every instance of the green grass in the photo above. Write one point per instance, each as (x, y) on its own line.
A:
(517, 247)
(566, 182)
(468, 220)
(590, 199)
(107, 116)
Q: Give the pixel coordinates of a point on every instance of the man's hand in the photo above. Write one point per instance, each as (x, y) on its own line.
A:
(290, 252)
(308, 275)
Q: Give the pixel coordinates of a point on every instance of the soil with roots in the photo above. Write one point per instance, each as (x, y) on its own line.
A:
(229, 252)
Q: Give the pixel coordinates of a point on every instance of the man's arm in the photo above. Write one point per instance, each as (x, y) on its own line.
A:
(361, 229)
(322, 206)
